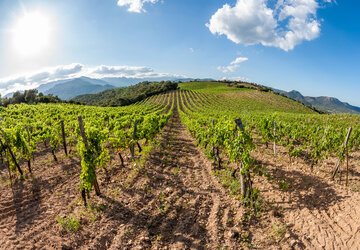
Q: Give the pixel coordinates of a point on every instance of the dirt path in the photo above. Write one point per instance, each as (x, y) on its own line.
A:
(185, 206)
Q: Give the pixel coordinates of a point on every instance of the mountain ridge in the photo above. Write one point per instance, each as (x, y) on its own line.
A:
(324, 103)
(75, 87)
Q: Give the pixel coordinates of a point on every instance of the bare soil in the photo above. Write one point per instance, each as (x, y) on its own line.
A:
(319, 213)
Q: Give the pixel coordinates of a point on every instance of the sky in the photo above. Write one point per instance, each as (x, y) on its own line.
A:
(312, 46)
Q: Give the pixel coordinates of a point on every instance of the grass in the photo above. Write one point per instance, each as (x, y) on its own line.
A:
(176, 170)
(139, 161)
(129, 230)
(283, 185)
(4, 180)
(158, 238)
(69, 223)
(278, 231)
(228, 181)
(98, 208)
(147, 189)
(234, 186)
(163, 207)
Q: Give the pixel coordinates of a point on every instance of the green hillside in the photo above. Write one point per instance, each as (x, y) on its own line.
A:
(248, 97)
(127, 95)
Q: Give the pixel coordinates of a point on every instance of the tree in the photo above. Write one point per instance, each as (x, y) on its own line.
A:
(30, 96)
(18, 97)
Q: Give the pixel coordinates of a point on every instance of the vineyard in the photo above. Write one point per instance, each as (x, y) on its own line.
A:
(204, 166)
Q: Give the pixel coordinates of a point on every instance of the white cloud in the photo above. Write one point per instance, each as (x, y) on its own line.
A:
(239, 60)
(67, 70)
(34, 79)
(284, 25)
(121, 70)
(62, 72)
(135, 5)
(233, 65)
(191, 50)
(236, 78)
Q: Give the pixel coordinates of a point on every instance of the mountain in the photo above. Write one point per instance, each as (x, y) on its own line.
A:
(79, 86)
(11, 94)
(94, 81)
(46, 86)
(324, 103)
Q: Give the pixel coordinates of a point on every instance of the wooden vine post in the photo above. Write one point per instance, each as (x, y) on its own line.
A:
(28, 133)
(132, 148)
(121, 159)
(275, 138)
(53, 153)
(83, 135)
(139, 147)
(216, 150)
(347, 156)
(6, 163)
(325, 131)
(29, 138)
(347, 160)
(11, 153)
(63, 136)
(245, 179)
(10, 177)
(213, 148)
(347, 166)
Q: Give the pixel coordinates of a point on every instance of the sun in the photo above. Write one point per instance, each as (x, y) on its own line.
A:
(31, 34)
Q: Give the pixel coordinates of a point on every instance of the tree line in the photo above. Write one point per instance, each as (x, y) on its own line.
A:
(31, 96)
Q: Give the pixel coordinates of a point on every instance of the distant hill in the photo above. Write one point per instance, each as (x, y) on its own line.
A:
(125, 81)
(79, 86)
(95, 81)
(126, 95)
(323, 103)
(9, 95)
(46, 86)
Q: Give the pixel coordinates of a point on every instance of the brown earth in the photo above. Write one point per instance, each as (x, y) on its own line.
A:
(173, 201)
(319, 213)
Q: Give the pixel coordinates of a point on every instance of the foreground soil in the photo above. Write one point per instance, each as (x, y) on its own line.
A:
(173, 201)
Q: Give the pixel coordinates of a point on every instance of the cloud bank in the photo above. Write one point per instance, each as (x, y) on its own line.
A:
(283, 24)
(233, 65)
(62, 72)
(136, 6)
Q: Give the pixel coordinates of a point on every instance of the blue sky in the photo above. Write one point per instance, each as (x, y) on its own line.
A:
(308, 45)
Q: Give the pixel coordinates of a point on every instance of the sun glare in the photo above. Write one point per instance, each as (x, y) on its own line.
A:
(31, 34)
